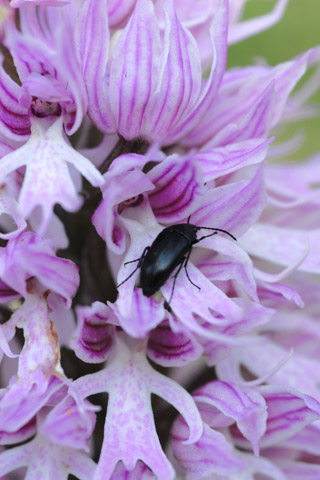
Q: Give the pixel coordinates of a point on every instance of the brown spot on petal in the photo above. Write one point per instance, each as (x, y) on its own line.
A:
(54, 342)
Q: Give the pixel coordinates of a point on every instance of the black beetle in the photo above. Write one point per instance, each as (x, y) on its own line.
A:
(170, 249)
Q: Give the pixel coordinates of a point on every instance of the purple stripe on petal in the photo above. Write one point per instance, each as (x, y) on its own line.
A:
(178, 188)
(218, 31)
(234, 207)
(212, 455)
(92, 339)
(133, 69)
(92, 45)
(172, 349)
(246, 406)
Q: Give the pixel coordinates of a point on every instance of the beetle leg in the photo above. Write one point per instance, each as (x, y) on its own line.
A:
(138, 266)
(132, 261)
(123, 281)
(175, 279)
(139, 259)
(186, 270)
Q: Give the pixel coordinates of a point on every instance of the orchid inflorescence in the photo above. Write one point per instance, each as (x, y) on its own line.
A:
(119, 119)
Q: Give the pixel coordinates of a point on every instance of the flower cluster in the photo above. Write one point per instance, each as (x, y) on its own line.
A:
(119, 121)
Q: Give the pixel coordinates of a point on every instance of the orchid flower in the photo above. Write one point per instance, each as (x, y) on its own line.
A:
(118, 122)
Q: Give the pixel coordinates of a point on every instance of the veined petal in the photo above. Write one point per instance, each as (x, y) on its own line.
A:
(44, 55)
(211, 455)
(119, 11)
(249, 103)
(307, 440)
(192, 307)
(92, 45)
(55, 3)
(255, 466)
(209, 90)
(28, 255)
(7, 332)
(244, 268)
(288, 412)
(169, 348)
(179, 81)
(233, 207)
(14, 118)
(268, 290)
(134, 69)
(253, 118)
(19, 436)
(22, 402)
(92, 339)
(284, 246)
(221, 161)
(216, 350)
(299, 372)
(246, 406)
(143, 314)
(178, 188)
(119, 191)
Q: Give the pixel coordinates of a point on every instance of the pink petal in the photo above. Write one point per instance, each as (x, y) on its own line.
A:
(288, 413)
(211, 455)
(246, 406)
(178, 188)
(284, 246)
(134, 70)
(92, 339)
(179, 82)
(14, 118)
(218, 32)
(168, 348)
(241, 30)
(224, 160)
(92, 45)
(139, 318)
(234, 207)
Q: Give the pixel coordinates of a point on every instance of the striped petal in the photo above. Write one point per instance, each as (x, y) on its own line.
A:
(14, 118)
(249, 103)
(134, 70)
(209, 89)
(246, 406)
(234, 207)
(179, 83)
(172, 349)
(92, 46)
(178, 188)
(221, 161)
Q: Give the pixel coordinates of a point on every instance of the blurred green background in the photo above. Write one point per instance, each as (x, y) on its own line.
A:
(298, 31)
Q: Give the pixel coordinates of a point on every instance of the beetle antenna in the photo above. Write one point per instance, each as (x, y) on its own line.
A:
(219, 230)
(188, 221)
